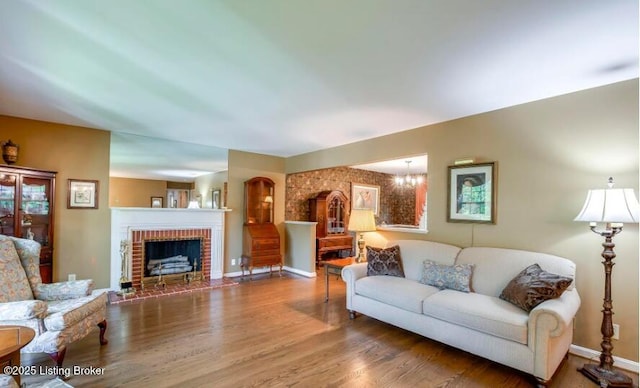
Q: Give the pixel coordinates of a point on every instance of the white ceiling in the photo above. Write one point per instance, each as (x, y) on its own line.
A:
(283, 77)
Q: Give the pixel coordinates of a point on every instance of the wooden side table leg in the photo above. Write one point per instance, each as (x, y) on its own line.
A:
(326, 283)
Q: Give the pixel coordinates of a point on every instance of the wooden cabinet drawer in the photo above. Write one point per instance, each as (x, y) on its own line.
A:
(334, 242)
(265, 243)
(258, 261)
(266, 252)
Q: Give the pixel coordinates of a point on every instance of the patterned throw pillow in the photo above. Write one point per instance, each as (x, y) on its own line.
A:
(454, 277)
(533, 286)
(384, 261)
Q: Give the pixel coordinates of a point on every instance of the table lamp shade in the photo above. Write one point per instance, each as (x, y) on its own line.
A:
(610, 205)
(362, 220)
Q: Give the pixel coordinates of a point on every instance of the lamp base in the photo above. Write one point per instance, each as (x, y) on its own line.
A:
(362, 257)
(605, 377)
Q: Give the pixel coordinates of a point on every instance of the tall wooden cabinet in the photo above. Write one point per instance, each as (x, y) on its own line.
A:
(26, 210)
(330, 209)
(260, 239)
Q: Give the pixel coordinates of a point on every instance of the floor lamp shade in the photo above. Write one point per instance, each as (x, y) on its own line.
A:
(610, 205)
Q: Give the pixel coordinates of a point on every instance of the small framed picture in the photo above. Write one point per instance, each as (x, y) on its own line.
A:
(156, 201)
(82, 194)
(216, 199)
(472, 193)
(365, 197)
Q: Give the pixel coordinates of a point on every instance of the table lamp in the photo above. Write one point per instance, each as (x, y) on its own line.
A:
(360, 221)
(612, 207)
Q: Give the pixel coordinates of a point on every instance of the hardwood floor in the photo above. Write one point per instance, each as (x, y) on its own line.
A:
(275, 332)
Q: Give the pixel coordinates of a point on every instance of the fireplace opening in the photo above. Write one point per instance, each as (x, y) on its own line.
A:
(173, 259)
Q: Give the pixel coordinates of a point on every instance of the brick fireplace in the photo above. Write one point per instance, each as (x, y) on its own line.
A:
(137, 225)
(140, 237)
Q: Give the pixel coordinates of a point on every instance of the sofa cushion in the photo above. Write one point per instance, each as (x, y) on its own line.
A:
(398, 292)
(479, 312)
(454, 277)
(384, 261)
(415, 252)
(15, 286)
(533, 286)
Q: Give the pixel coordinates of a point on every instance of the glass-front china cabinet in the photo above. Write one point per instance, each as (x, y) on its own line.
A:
(27, 208)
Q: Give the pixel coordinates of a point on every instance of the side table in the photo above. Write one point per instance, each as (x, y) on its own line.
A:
(12, 339)
(334, 267)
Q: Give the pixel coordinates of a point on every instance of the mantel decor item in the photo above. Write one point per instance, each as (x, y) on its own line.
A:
(472, 196)
(613, 207)
(10, 152)
(216, 199)
(82, 194)
(156, 202)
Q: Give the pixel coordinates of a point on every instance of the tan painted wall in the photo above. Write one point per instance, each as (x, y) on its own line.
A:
(549, 153)
(244, 166)
(127, 192)
(82, 238)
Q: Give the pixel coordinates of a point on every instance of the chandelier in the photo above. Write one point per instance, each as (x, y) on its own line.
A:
(408, 180)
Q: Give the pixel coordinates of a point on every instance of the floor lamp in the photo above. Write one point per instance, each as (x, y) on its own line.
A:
(612, 207)
(360, 221)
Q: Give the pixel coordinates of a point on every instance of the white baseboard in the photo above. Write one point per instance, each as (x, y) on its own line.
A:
(591, 354)
(266, 270)
(300, 272)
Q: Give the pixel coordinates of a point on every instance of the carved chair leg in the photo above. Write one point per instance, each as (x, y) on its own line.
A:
(58, 358)
(103, 328)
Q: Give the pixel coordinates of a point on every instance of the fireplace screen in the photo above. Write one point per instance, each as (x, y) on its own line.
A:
(169, 257)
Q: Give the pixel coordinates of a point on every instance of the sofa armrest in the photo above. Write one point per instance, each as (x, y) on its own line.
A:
(64, 290)
(353, 272)
(350, 274)
(552, 317)
(22, 310)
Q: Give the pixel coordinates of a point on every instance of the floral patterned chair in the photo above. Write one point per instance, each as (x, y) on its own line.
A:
(60, 313)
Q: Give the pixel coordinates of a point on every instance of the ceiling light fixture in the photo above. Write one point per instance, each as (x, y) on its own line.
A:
(408, 180)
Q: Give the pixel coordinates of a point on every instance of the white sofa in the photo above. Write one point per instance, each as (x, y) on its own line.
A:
(478, 322)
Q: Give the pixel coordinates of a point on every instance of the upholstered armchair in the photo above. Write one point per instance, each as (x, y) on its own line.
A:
(60, 313)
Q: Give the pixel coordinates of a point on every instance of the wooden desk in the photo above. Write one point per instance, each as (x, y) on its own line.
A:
(334, 267)
(330, 244)
(12, 339)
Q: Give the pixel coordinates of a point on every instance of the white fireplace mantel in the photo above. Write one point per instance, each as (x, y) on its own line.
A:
(124, 220)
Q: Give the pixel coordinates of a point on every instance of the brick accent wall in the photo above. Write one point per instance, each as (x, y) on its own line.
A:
(397, 204)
